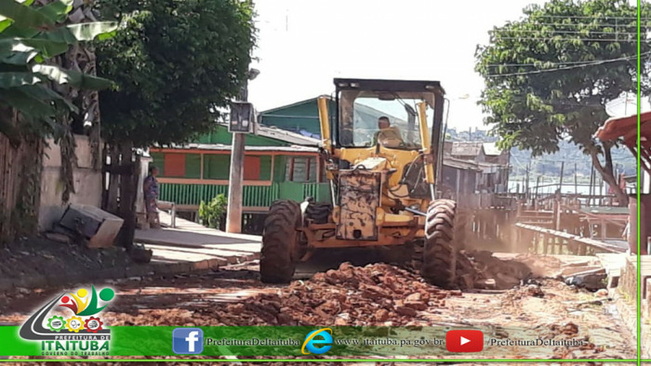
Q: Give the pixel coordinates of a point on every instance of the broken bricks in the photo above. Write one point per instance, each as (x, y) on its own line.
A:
(342, 297)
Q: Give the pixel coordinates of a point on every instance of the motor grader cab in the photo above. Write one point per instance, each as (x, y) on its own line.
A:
(382, 154)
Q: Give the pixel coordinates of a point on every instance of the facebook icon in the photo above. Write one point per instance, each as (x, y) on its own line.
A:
(187, 341)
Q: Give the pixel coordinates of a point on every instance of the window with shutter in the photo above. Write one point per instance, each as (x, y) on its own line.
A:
(251, 168)
(175, 165)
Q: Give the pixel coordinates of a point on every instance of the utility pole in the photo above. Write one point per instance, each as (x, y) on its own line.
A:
(557, 201)
(592, 189)
(235, 182)
(537, 184)
(576, 177)
(526, 190)
(560, 185)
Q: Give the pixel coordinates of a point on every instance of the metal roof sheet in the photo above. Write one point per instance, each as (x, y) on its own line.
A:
(222, 147)
(459, 164)
(626, 127)
(491, 149)
(466, 148)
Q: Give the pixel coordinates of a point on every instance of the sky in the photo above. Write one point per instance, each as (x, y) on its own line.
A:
(304, 44)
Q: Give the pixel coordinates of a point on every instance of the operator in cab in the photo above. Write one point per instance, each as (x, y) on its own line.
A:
(388, 136)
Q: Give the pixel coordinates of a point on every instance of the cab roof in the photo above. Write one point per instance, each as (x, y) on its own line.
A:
(389, 85)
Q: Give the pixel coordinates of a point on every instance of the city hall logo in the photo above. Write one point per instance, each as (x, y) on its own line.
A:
(80, 333)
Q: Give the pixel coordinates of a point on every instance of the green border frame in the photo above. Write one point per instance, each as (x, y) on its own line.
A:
(460, 360)
(637, 192)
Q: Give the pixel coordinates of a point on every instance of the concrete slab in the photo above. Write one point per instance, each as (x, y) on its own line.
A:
(183, 224)
(226, 256)
(190, 234)
(215, 253)
(167, 256)
(193, 239)
(191, 242)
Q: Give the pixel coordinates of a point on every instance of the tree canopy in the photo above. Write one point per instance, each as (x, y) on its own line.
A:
(549, 75)
(175, 62)
(33, 81)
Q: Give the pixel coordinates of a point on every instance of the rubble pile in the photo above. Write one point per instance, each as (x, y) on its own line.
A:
(378, 294)
(517, 294)
(503, 274)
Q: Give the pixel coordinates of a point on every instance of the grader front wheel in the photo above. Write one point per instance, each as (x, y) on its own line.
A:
(318, 212)
(279, 240)
(441, 249)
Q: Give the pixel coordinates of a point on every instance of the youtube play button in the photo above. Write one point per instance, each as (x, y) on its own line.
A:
(464, 341)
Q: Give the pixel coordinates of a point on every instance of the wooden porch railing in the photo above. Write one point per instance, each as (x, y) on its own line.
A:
(253, 196)
(548, 241)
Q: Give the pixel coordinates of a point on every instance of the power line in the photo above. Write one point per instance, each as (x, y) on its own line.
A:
(548, 63)
(585, 17)
(574, 39)
(630, 24)
(586, 25)
(596, 20)
(553, 31)
(569, 67)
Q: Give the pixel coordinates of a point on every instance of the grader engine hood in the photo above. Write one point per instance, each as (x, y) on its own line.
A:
(360, 196)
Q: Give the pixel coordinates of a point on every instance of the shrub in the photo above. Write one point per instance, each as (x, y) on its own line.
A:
(211, 213)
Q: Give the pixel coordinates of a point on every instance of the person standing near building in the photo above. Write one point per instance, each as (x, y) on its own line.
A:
(150, 190)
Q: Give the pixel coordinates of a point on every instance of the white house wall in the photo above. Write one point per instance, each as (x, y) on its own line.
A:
(87, 182)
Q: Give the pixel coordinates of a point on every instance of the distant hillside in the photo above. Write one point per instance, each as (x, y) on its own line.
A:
(550, 165)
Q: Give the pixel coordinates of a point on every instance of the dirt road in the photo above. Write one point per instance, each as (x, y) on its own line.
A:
(372, 295)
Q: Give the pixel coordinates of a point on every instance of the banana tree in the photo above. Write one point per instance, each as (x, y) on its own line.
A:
(35, 89)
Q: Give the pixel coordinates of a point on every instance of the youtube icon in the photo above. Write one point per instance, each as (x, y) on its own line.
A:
(464, 341)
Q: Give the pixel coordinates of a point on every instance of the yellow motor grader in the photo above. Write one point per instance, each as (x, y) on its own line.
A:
(381, 158)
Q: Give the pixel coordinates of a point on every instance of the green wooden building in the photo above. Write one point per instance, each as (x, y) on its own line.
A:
(300, 117)
(274, 167)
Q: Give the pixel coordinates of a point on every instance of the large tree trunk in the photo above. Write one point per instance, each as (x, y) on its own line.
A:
(606, 172)
(128, 186)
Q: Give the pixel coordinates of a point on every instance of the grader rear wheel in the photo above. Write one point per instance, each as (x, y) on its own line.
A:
(280, 239)
(440, 251)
